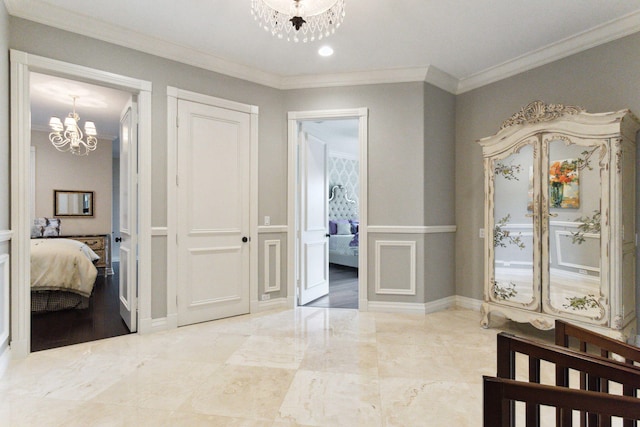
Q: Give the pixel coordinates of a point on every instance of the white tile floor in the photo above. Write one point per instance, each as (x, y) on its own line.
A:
(302, 367)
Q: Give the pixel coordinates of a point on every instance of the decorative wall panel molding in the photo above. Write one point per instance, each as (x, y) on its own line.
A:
(272, 263)
(384, 249)
(412, 229)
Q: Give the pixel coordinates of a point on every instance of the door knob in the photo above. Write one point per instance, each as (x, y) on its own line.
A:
(245, 239)
(327, 235)
(118, 239)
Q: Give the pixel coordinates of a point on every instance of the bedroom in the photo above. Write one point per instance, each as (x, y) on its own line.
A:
(74, 208)
(342, 192)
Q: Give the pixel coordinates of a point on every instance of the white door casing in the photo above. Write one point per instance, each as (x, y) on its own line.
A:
(22, 64)
(213, 218)
(314, 219)
(127, 285)
(293, 188)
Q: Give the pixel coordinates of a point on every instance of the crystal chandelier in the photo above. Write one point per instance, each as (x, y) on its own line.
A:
(69, 137)
(296, 20)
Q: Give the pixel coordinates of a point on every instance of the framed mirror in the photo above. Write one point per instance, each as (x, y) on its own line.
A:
(73, 203)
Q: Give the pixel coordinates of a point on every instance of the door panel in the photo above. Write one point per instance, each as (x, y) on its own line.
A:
(213, 212)
(314, 277)
(127, 288)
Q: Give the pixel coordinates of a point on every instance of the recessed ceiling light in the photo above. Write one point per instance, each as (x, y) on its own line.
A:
(325, 51)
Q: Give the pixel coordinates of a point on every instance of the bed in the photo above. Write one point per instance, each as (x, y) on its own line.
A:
(343, 228)
(62, 274)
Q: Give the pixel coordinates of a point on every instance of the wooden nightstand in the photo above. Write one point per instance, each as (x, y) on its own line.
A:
(101, 245)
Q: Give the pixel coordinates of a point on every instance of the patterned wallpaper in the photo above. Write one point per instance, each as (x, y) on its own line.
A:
(346, 172)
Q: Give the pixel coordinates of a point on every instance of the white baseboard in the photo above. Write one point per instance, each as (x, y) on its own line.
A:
(149, 326)
(20, 349)
(397, 307)
(420, 308)
(468, 303)
(273, 304)
(5, 358)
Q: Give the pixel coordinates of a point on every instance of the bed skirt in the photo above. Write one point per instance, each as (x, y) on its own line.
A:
(42, 301)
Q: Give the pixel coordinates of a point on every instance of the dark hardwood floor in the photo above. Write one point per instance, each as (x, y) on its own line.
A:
(343, 289)
(65, 327)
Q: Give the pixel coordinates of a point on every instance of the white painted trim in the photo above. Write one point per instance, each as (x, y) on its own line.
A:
(412, 267)
(22, 64)
(274, 304)
(266, 229)
(173, 95)
(268, 287)
(425, 308)
(48, 14)
(5, 358)
(604, 33)
(159, 231)
(362, 114)
(468, 303)
(412, 229)
(5, 235)
(397, 307)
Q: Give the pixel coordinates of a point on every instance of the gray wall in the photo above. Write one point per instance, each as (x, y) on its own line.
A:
(604, 78)
(65, 46)
(411, 175)
(4, 142)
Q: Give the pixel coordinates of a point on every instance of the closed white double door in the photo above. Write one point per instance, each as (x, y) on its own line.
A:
(213, 191)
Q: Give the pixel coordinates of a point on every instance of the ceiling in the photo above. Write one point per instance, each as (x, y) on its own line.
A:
(455, 44)
(52, 96)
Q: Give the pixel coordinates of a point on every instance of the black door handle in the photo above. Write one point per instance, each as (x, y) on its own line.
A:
(327, 235)
(245, 239)
(118, 239)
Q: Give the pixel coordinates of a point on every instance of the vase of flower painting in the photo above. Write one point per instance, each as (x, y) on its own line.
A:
(564, 173)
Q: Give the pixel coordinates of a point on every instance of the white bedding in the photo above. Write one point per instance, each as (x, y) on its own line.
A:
(339, 243)
(62, 265)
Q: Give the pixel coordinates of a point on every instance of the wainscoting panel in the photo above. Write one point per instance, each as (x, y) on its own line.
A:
(272, 265)
(395, 267)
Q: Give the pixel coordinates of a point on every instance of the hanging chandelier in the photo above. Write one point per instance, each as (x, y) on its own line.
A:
(69, 137)
(299, 20)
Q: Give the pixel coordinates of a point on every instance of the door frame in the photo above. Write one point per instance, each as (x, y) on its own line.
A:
(173, 96)
(293, 194)
(22, 64)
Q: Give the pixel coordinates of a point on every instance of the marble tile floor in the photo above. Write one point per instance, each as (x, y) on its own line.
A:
(300, 367)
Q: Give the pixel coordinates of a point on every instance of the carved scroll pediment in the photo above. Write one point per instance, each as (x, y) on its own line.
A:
(538, 111)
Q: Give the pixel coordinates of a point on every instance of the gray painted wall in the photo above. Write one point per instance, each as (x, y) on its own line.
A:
(4, 141)
(65, 46)
(604, 78)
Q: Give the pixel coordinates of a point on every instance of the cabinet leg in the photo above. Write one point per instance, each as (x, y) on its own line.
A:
(484, 311)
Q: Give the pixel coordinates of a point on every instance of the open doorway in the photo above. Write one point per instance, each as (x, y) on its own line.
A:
(79, 304)
(342, 170)
(327, 182)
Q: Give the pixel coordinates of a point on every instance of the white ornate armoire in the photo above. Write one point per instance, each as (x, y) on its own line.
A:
(560, 222)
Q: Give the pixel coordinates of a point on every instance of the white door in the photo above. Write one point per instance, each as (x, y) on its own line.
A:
(213, 212)
(128, 288)
(314, 219)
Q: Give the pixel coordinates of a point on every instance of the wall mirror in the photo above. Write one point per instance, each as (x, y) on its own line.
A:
(73, 203)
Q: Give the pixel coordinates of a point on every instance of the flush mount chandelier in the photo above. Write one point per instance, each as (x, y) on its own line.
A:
(299, 20)
(69, 137)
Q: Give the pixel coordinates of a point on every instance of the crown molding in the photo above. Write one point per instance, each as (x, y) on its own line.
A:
(44, 13)
(602, 34)
(399, 75)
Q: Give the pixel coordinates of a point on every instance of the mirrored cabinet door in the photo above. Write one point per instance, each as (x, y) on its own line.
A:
(572, 242)
(514, 279)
